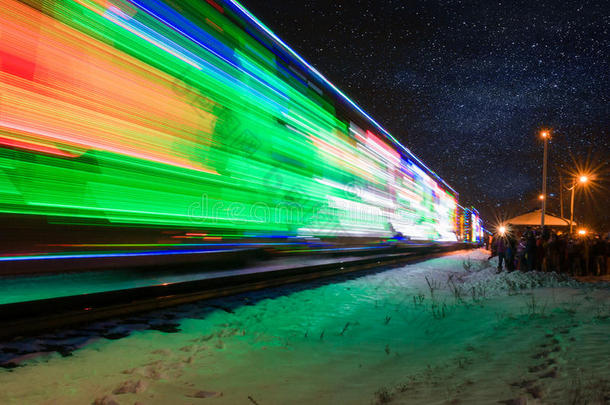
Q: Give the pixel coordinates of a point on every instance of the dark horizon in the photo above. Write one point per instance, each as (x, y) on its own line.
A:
(468, 87)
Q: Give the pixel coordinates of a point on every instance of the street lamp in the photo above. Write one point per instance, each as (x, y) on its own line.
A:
(545, 135)
(581, 180)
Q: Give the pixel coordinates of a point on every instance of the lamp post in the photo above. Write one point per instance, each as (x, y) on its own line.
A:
(582, 180)
(561, 195)
(545, 135)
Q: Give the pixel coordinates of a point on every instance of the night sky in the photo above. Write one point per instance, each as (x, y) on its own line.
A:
(468, 85)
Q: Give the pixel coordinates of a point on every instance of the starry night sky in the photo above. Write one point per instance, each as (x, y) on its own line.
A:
(468, 85)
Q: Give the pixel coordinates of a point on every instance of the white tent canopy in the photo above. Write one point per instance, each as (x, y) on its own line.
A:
(533, 219)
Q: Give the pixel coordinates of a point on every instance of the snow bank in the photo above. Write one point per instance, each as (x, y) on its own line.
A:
(448, 330)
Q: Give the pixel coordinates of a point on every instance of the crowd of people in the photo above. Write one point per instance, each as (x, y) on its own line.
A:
(546, 250)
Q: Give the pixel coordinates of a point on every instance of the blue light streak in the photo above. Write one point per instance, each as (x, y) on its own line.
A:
(242, 10)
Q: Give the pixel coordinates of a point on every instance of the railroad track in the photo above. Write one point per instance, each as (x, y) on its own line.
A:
(32, 317)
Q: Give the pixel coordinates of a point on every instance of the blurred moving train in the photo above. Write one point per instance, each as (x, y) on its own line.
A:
(146, 123)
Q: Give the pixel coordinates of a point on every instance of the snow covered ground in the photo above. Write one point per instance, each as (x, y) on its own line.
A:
(445, 331)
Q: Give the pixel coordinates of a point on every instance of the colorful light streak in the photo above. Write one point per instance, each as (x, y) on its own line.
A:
(106, 255)
(333, 87)
(134, 114)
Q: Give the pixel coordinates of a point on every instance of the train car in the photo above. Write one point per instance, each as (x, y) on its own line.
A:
(155, 124)
(469, 226)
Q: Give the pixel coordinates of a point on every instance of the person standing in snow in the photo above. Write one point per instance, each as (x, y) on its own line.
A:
(511, 246)
(562, 248)
(501, 251)
(577, 263)
(530, 248)
(607, 254)
(548, 262)
(521, 262)
(539, 251)
(554, 252)
(597, 253)
(586, 256)
(572, 255)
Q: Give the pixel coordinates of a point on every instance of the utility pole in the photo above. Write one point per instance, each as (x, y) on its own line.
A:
(572, 206)
(561, 194)
(545, 135)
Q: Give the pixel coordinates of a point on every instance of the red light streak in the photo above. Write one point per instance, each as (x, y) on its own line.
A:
(216, 6)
